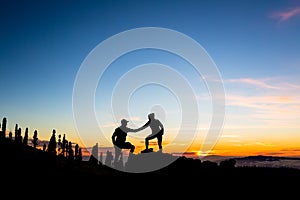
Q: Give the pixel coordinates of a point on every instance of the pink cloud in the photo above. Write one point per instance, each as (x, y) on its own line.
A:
(255, 82)
(285, 15)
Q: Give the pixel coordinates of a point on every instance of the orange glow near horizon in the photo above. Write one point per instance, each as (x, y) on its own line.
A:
(250, 143)
(234, 141)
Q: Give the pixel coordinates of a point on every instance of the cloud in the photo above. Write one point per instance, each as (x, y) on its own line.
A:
(109, 125)
(291, 149)
(254, 82)
(262, 101)
(136, 119)
(273, 96)
(283, 16)
(271, 100)
(186, 154)
(284, 110)
(229, 136)
(132, 119)
(263, 144)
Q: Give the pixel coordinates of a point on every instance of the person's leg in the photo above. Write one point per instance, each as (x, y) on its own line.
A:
(159, 141)
(150, 137)
(147, 142)
(117, 154)
(130, 146)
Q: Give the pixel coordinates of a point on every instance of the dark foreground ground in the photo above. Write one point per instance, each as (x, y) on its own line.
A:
(32, 169)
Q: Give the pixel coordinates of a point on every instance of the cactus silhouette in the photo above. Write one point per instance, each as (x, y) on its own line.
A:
(71, 152)
(25, 139)
(64, 145)
(4, 121)
(76, 151)
(19, 136)
(52, 143)
(79, 158)
(16, 132)
(35, 139)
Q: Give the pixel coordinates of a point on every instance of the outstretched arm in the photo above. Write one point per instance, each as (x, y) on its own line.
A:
(131, 130)
(142, 127)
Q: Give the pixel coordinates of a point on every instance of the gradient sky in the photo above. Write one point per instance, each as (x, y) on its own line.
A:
(255, 45)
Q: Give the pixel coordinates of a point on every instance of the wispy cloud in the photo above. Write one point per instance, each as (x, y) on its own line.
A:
(267, 101)
(133, 119)
(282, 110)
(263, 144)
(254, 82)
(291, 149)
(109, 125)
(286, 15)
(262, 101)
(229, 136)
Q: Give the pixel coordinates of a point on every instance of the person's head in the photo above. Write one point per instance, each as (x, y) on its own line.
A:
(151, 116)
(124, 122)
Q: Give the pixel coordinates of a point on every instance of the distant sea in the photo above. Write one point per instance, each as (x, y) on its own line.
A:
(258, 161)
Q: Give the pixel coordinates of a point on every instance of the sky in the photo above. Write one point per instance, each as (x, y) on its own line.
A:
(254, 46)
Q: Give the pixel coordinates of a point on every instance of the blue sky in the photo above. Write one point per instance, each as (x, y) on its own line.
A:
(254, 44)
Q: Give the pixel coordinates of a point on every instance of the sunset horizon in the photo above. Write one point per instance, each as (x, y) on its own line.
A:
(222, 77)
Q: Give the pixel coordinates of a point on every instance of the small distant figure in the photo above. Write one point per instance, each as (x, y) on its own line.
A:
(119, 139)
(157, 129)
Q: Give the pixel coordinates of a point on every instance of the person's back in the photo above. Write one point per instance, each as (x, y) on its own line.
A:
(155, 126)
(157, 129)
(120, 136)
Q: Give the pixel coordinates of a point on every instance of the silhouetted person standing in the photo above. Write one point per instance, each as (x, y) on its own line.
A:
(157, 131)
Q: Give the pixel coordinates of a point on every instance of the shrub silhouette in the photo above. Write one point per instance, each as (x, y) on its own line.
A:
(230, 163)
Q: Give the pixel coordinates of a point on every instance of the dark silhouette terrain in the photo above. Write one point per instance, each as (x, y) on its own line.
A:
(28, 166)
(26, 162)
